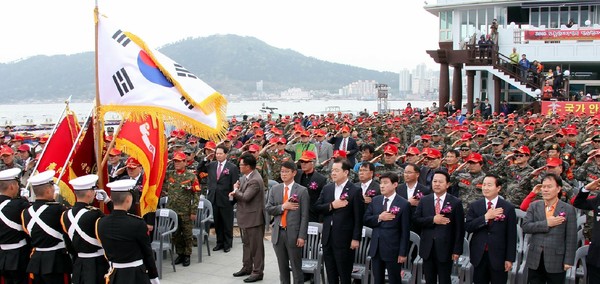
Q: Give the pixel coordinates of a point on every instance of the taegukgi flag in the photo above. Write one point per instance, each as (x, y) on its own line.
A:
(135, 79)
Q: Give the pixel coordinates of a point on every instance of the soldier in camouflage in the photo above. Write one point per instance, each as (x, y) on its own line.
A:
(588, 173)
(8, 159)
(390, 156)
(182, 188)
(469, 178)
(495, 162)
(275, 154)
(514, 169)
(261, 164)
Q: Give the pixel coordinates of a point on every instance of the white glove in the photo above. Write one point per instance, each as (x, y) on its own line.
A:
(24, 192)
(101, 195)
(155, 281)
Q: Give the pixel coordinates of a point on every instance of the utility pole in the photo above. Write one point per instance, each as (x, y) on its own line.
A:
(382, 97)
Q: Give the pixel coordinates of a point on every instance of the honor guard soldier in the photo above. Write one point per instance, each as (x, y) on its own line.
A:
(14, 243)
(50, 262)
(125, 240)
(182, 188)
(79, 223)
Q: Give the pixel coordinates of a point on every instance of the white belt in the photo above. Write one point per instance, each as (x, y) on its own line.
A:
(22, 243)
(128, 264)
(60, 245)
(100, 252)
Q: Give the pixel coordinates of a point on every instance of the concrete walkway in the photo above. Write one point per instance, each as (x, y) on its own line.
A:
(219, 267)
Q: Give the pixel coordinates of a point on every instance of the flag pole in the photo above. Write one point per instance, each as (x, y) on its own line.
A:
(66, 163)
(112, 143)
(48, 141)
(98, 122)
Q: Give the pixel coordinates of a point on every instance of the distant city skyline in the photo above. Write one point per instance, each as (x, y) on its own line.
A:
(386, 35)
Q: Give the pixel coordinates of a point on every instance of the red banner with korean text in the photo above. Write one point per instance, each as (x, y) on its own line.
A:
(555, 34)
(565, 107)
(144, 140)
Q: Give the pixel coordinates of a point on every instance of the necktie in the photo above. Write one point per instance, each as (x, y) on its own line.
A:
(344, 144)
(219, 170)
(549, 211)
(438, 206)
(489, 207)
(319, 146)
(284, 216)
(385, 204)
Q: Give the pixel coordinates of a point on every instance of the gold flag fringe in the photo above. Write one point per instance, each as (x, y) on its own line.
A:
(192, 126)
(215, 102)
(134, 151)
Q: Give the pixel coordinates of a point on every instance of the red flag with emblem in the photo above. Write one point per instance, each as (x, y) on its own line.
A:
(144, 140)
(57, 150)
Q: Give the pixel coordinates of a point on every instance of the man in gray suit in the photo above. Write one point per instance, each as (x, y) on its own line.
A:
(289, 204)
(249, 194)
(323, 148)
(553, 227)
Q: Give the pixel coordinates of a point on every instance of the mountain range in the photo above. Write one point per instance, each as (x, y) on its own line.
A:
(231, 64)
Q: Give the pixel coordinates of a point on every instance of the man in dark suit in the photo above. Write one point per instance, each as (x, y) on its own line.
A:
(222, 175)
(345, 143)
(250, 197)
(441, 218)
(115, 166)
(431, 163)
(583, 201)
(493, 222)
(412, 191)
(369, 187)
(341, 204)
(312, 180)
(552, 224)
(290, 224)
(389, 216)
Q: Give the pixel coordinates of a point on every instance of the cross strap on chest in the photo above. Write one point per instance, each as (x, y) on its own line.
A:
(76, 228)
(35, 219)
(5, 220)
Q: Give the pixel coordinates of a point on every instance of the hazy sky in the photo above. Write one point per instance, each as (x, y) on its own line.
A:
(385, 35)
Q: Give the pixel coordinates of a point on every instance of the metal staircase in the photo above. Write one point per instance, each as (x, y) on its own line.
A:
(501, 66)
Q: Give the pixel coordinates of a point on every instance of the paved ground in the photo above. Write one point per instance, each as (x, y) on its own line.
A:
(219, 267)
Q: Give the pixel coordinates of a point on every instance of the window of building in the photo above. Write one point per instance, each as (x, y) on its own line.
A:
(535, 17)
(446, 26)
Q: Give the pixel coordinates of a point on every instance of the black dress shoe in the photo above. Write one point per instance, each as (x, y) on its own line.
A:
(254, 278)
(186, 260)
(227, 249)
(242, 272)
(218, 247)
(179, 259)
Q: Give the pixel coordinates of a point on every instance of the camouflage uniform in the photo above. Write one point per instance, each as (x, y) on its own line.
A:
(469, 186)
(514, 176)
(233, 156)
(528, 183)
(493, 163)
(262, 166)
(275, 159)
(395, 168)
(182, 190)
(192, 167)
(586, 174)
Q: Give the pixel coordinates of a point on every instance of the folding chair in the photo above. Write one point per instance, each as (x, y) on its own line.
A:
(165, 225)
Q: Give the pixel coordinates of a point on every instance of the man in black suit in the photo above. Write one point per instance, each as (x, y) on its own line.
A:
(582, 201)
(312, 180)
(341, 204)
(115, 166)
(345, 143)
(441, 218)
(222, 175)
(412, 190)
(369, 187)
(389, 216)
(493, 222)
(431, 163)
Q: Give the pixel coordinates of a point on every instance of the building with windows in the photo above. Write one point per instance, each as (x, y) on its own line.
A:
(555, 33)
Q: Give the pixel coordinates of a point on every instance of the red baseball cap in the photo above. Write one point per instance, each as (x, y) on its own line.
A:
(413, 151)
(132, 163)
(394, 140)
(178, 156)
(6, 150)
(390, 149)
(553, 162)
(23, 148)
(345, 129)
(308, 156)
(434, 153)
(254, 148)
(523, 150)
(114, 152)
(340, 153)
(210, 145)
(426, 137)
(475, 157)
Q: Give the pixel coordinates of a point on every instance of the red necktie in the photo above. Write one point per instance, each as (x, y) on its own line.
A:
(489, 207)
(344, 144)
(284, 216)
(219, 170)
(438, 206)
